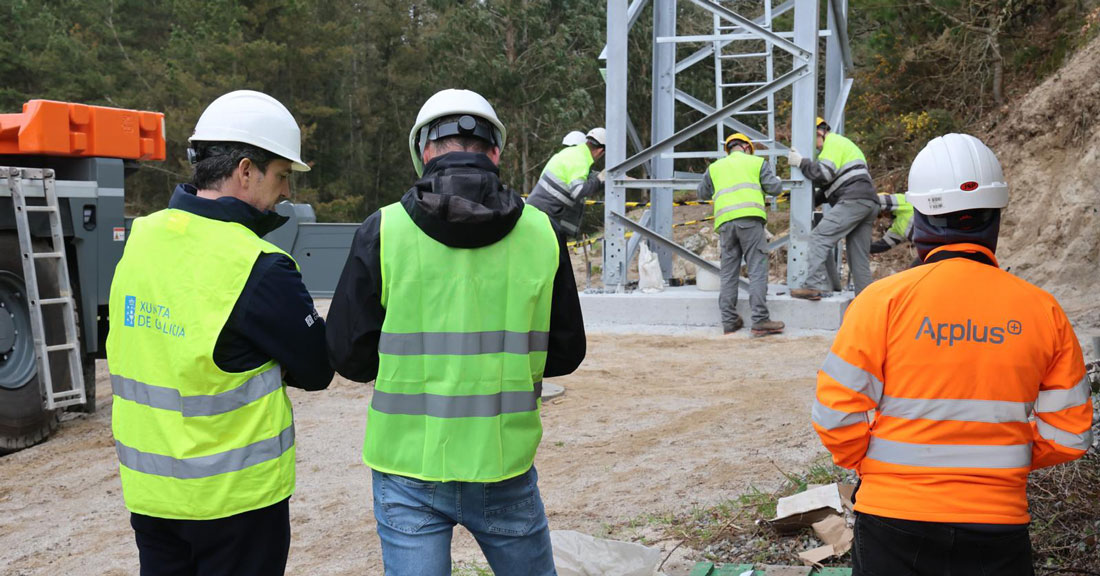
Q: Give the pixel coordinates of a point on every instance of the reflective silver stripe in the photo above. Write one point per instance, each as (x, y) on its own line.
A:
(844, 178)
(742, 186)
(165, 398)
(463, 343)
(994, 411)
(556, 188)
(1057, 400)
(205, 466)
(827, 168)
(852, 378)
(949, 455)
(830, 419)
(1064, 438)
(569, 226)
(437, 406)
(575, 188)
(740, 206)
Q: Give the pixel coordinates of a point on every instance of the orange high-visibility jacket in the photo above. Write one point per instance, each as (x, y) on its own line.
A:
(975, 377)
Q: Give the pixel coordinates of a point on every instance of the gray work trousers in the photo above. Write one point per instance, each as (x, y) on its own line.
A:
(743, 237)
(851, 220)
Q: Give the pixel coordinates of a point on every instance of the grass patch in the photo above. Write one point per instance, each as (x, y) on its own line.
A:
(464, 569)
(735, 530)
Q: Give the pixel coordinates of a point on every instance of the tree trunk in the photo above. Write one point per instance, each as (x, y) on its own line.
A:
(998, 70)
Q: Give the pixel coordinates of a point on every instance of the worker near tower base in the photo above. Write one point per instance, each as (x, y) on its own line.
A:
(841, 178)
(975, 376)
(901, 229)
(567, 181)
(457, 301)
(738, 183)
(208, 325)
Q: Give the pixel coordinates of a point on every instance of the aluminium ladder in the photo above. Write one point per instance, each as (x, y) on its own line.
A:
(52, 398)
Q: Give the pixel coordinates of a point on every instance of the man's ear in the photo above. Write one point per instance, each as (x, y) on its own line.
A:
(244, 172)
(494, 155)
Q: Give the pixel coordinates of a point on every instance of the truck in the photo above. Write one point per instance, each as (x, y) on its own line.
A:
(63, 227)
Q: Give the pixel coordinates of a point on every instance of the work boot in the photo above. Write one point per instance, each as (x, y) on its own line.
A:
(806, 293)
(767, 328)
(731, 328)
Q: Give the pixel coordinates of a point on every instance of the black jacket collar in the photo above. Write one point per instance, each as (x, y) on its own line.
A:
(461, 202)
(225, 209)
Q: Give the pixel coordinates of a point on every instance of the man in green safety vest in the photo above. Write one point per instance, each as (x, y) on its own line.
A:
(841, 178)
(738, 183)
(567, 181)
(902, 227)
(208, 324)
(457, 301)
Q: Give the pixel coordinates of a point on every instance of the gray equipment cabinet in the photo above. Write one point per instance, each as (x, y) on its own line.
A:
(320, 249)
(93, 229)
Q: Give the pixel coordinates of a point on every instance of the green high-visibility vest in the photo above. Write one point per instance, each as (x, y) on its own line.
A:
(570, 166)
(558, 190)
(737, 192)
(844, 160)
(193, 442)
(903, 216)
(462, 351)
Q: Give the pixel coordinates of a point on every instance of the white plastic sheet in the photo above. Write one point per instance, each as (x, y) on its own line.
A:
(650, 278)
(577, 554)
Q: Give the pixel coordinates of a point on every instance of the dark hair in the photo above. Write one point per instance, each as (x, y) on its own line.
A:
(216, 161)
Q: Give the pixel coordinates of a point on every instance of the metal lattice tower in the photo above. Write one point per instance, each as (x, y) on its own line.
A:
(742, 106)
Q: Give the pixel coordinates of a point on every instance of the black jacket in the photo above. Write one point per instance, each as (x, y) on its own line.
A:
(459, 202)
(274, 318)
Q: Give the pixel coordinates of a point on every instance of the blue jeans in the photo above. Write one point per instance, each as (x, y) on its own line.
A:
(416, 520)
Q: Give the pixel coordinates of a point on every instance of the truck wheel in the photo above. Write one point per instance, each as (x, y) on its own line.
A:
(24, 421)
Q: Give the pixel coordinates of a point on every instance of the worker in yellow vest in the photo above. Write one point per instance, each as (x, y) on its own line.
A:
(567, 180)
(842, 179)
(738, 183)
(208, 325)
(457, 301)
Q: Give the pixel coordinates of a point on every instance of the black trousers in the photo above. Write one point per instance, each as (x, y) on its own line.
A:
(892, 547)
(253, 543)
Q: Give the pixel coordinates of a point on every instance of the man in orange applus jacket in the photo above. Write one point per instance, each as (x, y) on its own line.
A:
(975, 376)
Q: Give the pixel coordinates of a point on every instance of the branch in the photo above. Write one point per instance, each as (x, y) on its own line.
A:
(111, 26)
(956, 20)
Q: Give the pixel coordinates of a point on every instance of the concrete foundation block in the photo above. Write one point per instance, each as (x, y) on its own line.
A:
(688, 306)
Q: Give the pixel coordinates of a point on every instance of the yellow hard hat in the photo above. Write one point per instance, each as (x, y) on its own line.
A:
(819, 122)
(739, 137)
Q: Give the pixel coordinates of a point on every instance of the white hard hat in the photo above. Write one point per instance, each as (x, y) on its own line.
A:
(599, 135)
(450, 102)
(953, 173)
(252, 118)
(573, 138)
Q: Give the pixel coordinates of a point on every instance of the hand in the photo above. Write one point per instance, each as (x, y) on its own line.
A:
(602, 175)
(794, 157)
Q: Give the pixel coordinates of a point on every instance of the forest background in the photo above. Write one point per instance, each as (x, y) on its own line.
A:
(354, 74)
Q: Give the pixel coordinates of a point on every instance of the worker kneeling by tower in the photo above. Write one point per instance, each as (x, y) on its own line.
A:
(955, 356)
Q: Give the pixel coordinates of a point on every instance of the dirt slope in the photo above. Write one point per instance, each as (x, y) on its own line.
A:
(1048, 143)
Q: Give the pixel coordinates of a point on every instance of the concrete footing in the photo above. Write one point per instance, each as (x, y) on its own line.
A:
(689, 306)
(551, 390)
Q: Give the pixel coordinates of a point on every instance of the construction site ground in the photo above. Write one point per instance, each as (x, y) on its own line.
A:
(650, 425)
